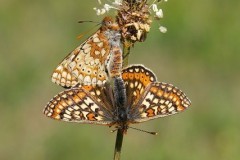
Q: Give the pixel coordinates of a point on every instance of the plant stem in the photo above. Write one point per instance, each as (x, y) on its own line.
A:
(126, 52)
(118, 144)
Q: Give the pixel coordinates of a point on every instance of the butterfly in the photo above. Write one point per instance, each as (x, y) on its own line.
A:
(87, 64)
(136, 97)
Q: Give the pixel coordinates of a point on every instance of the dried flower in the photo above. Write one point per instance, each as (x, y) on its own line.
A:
(134, 17)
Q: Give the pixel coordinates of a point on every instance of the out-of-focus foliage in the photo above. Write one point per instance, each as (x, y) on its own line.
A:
(199, 54)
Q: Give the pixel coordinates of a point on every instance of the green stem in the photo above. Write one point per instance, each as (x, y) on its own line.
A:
(126, 52)
(118, 144)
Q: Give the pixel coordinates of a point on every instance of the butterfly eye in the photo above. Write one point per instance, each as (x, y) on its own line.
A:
(108, 23)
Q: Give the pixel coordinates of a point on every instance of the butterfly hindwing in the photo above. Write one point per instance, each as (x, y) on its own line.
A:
(82, 105)
(148, 99)
(159, 100)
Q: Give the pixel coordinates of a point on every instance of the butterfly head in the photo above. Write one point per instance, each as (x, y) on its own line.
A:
(109, 23)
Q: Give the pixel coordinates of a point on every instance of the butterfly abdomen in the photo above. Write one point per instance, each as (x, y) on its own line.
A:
(115, 62)
(119, 92)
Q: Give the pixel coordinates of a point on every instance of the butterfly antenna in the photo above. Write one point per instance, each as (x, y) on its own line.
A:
(84, 33)
(88, 21)
(152, 133)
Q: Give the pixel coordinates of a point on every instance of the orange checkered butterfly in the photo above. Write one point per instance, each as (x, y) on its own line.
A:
(87, 64)
(139, 98)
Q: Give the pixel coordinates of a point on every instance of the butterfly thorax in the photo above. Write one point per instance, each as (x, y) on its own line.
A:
(111, 30)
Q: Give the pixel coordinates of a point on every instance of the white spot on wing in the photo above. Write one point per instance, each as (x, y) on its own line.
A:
(86, 45)
(97, 52)
(94, 80)
(87, 80)
(100, 44)
(87, 50)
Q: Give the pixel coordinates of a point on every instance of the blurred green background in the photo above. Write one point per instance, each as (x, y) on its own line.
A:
(200, 54)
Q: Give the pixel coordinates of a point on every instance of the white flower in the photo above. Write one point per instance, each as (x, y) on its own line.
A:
(106, 7)
(117, 2)
(154, 7)
(159, 13)
(103, 11)
(98, 11)
(162, 29)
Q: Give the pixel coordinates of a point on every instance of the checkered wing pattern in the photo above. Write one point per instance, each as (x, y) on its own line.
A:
(87, 63)
(136, 79)
(151, 99)
(85, 104)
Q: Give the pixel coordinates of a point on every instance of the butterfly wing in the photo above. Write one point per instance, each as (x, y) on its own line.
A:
(159, 100)
(86, 64)
(86, 104)
(62, 76)
(149, 99)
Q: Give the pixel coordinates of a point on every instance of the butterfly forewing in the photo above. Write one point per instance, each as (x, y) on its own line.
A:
(159, 100)
(62, 76)
(83, 105)
(87, 63)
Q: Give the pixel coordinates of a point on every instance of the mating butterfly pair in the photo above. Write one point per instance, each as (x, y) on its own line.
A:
(134, 98)
(146, 99)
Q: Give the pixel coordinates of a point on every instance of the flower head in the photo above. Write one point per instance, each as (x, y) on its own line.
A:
(134, 17)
